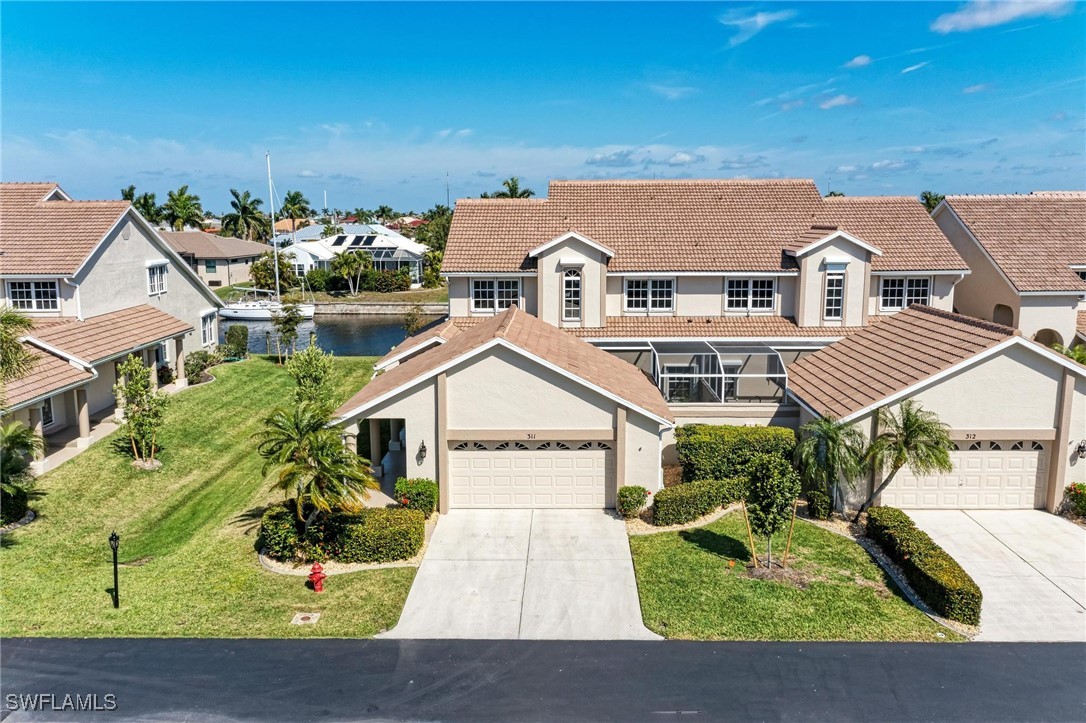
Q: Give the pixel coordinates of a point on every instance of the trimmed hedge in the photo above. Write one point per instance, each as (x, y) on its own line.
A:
(818, 505)
(371, 535)
(688, 501)
(935, 576)
(631, 500)
(710, 451)
(417, 494)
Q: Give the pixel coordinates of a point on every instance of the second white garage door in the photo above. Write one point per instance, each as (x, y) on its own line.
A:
(987, 476)
(528, 474)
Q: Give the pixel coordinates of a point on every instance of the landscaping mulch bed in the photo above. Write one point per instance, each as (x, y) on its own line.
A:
(642, 525)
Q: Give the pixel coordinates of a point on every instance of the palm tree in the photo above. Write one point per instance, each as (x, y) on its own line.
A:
(830, 451)
(183, 209)
(914, 437)
(246, 220)
(1076, 353)
(384, 213)
(296, 206)
(362, 215)
(931, 200)
(512, 189)
(835, 194)
(16, 359)
(145, 203)
(314, 465)
(18, 445)
(128, 193)
(350, 265)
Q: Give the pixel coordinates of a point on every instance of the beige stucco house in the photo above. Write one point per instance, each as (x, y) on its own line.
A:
(1027, 256)
(711, 288)
(1016, 410)
(99, 283)
(218, 260)
(513, 412)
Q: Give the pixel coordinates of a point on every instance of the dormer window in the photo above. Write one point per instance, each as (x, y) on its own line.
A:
(751, 295)
(571, 295)
(898, 292)
(833, 297)
(650, 295)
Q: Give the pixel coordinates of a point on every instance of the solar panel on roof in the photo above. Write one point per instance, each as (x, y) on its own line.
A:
(339, 240)
(356, 241)
(368, 241)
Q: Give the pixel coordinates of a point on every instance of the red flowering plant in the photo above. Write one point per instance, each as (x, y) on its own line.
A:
(1075, 494)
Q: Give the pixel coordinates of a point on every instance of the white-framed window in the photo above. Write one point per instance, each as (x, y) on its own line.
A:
(211, 265)
(571, 295)
(898, 292)
(207, 329)
(833, 296)
(750, 295)
(34, 295)
(650, 295)
(156, 279)
(299, 269)
(494, 294)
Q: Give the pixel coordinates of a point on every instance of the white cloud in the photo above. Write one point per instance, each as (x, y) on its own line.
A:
(989, 13)
(309, 174)
(978, 88)
(682, 158)
(747, 24)
(914, 68)
(444, 133)
(672, 92)
(838, 101)
(743, 163)
(622, 158)
(860, 61)
(463, 133)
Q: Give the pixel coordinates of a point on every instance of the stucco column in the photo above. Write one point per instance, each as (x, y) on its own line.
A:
(149, 362)
(394, 442)
(442, 444)
(36, 426)
(1057, 459)
(375, 446)
(82, 410)
(350, 437)
(179, 363)
(620, 452)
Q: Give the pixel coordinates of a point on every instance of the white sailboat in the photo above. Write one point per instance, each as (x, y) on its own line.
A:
(258, 309)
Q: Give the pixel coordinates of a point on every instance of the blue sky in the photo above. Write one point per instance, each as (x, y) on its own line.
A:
(377, 103)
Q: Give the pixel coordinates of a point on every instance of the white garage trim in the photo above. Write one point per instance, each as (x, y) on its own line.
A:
(502, 435)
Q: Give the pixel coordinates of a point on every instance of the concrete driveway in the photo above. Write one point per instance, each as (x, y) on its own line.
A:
(528, 574)
(1030, 565)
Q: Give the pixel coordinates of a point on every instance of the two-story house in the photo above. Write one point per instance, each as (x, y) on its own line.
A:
(100, 283)
(1027, 255)
(217, 260)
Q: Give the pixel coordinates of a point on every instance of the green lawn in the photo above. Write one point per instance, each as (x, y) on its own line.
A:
(226, 293)
(187, 534)
(688, 591)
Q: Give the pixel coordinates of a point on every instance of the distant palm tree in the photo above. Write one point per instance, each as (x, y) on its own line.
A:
(835, 194)
(931, 200)
(246, 220)
(128, 193)
(1076, 353)
(183, 209)
(315, 468)
(296, 206)
(913, 438)
(384, 213)
(512, 189)
(830, 451)
(350, 266)
(16, 360)
(362, 215)
(144, 203)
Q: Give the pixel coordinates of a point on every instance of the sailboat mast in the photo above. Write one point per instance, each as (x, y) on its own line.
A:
(275, 247)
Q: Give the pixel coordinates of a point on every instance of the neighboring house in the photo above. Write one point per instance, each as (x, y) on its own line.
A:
(513, 412)
(100, 283)
(286, 225)
(713, 289)
(388, 249)
(218, 260)
(1027, 254)
(1016, 409)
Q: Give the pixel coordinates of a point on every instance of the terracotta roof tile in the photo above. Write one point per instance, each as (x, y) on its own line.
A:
(885, 358)
(50, 237)
(203, 245)
(445, 330)
(536, 337)
(1033, 239)
(49, 375)
(700, 225)
(1082, 323)
(709, 327)
(108, 335)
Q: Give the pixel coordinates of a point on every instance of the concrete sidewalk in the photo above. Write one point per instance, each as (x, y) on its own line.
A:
(527, 574)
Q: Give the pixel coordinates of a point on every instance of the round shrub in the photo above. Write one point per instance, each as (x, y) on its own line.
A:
(818, 505)
(319, 279)
(13, 506)
(376, 535)
(1076, 498)
(281, 538)
(237, 341)
(417, 494)
(197, 363)
(165, 375)
(631, 500)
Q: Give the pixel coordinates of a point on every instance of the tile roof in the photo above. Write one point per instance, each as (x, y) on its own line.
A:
(690, 225)
(49, 375)
(1081, 326)
(1033, 239)
(880, 360)
(108, 335)
(708, 327)
(203, 245)
(50, 237)
(445, 330)
(538, 338)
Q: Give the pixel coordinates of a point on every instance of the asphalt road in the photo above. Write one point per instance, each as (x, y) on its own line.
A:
(270, 680)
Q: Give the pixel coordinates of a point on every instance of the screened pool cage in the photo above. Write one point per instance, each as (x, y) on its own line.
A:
(704, 372)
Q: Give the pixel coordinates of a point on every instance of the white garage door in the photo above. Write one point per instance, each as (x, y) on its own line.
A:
(987, 476)
(531, 474)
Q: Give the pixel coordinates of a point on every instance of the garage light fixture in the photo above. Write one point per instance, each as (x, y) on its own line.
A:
(1082, 449)
(422, 449)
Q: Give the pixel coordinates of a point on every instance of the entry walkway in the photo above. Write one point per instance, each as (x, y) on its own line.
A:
(528, 574)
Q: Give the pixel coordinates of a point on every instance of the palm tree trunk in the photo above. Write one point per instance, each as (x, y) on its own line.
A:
(878, 491)
(309, 521)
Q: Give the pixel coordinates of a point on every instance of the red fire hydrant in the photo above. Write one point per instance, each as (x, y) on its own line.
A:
(316, 576)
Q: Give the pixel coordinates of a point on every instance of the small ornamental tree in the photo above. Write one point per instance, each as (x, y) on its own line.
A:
(311, 369)
(286, 323)
(144, 408)
(771, 496)
(413, 320)
(262, 271)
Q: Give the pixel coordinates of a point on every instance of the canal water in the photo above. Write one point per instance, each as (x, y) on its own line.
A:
(346, 335)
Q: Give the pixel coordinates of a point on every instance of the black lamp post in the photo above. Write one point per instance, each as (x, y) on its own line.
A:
(114, 543)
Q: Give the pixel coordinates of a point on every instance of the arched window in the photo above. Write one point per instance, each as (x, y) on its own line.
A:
(571, 295)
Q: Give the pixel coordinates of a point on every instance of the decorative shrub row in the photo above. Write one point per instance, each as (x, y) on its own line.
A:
(371, 535)
(417, 494)
(631, 500)
(383, 280)
(687, 502)
(711, 451)
(935, 576)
